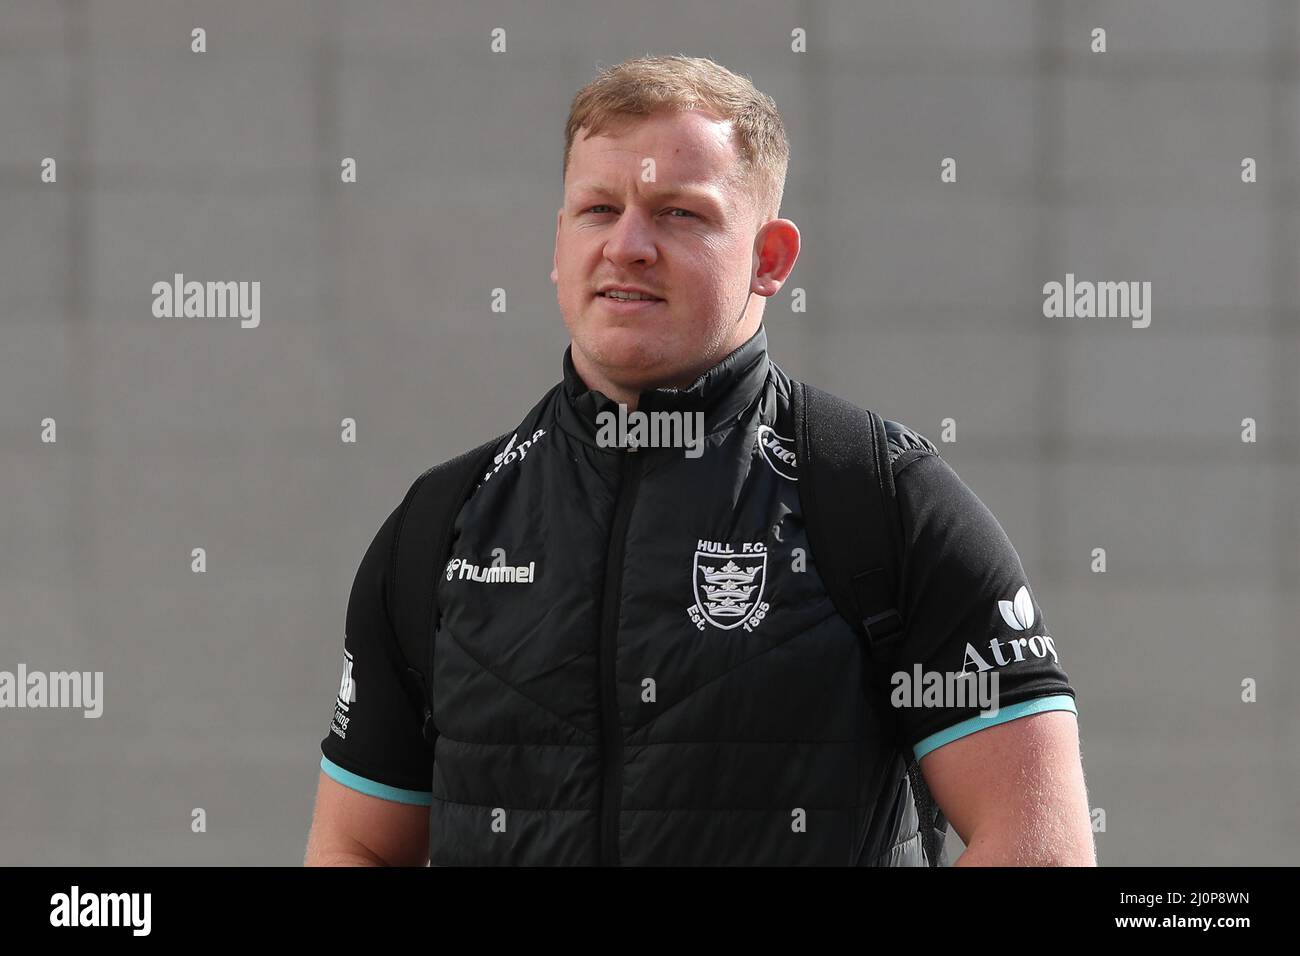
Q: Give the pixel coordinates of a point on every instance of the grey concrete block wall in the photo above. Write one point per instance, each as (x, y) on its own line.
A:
(924, 301)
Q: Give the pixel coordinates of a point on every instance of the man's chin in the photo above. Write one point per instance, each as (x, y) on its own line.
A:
(638, 357)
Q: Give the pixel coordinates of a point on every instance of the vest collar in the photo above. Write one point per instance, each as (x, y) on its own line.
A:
(722, 393)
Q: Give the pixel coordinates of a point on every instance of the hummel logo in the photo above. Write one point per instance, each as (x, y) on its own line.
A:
(463, 570)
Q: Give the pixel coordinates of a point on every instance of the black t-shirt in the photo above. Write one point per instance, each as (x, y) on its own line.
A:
(965, 595)
(375, 742)
(969, 610)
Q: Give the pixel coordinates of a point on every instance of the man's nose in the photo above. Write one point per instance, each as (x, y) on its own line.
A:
(632, 239)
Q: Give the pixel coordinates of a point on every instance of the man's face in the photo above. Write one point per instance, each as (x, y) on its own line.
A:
(686, 236)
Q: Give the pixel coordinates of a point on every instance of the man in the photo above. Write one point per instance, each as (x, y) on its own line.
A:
(635, 660)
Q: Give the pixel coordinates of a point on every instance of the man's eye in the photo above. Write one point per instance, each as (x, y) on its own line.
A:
(597, 209)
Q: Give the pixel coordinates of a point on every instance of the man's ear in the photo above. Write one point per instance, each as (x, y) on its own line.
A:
(555, 256)
(776, 247)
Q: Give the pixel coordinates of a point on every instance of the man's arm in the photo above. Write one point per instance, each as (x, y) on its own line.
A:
(350, 828)
(1015, 793)
(373, 792)
(1010, 783)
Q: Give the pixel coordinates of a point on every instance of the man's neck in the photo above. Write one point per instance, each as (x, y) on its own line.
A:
(630, 395)
(597, 382)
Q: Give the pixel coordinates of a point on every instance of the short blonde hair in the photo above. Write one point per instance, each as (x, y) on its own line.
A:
(643, 85)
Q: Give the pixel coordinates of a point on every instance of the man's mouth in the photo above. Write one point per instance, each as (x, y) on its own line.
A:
(619, 296)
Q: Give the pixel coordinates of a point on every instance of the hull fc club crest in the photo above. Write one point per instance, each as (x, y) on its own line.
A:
(728, 580)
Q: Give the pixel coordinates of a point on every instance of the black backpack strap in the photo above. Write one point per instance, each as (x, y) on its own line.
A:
(847, 494)
(420, 551)
(846, 490)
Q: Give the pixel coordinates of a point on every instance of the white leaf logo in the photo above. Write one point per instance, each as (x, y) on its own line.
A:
(1019, 614)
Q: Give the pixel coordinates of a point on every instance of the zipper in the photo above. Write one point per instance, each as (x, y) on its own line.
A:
(611, 725)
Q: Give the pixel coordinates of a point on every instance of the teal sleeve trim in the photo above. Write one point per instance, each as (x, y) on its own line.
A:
(978, 722)
(371, 788)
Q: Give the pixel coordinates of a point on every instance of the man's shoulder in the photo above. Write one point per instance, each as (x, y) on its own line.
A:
(459, 467)
(454, 474)
(906, 444)
(464, 459)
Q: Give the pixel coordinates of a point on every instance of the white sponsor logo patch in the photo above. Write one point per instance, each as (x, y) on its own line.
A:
(1017, 614)
(512, 451)
(347, 696)
(778, 452)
